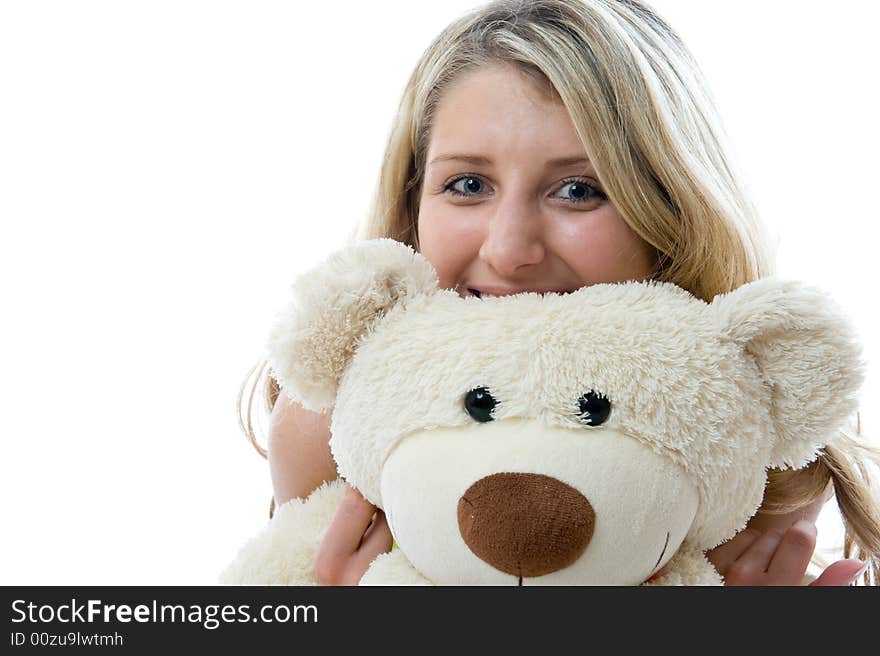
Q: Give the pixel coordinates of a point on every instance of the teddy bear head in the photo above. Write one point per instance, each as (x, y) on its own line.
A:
(560, 438)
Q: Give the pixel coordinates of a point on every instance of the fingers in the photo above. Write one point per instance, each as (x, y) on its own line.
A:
(843, 572)
(751, 567)
(348, 526)
(722, 557)
(775, 557)
(352, 541)
(763, 549)
(376, 541)
(792, 557)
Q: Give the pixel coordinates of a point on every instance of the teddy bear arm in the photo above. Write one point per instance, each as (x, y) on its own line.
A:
(283, 552)
(393, 568)
(689, 567)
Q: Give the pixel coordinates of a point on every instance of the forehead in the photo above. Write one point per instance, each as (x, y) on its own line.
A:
(500, 106)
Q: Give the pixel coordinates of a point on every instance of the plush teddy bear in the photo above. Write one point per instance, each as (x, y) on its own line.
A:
(583, 438)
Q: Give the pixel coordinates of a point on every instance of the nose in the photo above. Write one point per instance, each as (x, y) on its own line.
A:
(513, 238)
(525, 524)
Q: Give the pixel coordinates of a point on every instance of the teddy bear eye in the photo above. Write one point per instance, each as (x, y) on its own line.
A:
(479, 404)
(594, 408)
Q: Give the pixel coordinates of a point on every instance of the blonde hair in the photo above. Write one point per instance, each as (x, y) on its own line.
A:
(648, 125)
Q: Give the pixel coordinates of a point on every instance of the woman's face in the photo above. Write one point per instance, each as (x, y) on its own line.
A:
(509, 201)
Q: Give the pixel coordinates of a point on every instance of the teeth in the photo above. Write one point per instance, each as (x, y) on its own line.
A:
(474, 292)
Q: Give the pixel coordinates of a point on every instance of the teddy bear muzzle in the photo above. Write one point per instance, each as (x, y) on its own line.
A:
(525, 524)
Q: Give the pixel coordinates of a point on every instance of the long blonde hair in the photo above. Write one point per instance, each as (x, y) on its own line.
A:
(649, 126)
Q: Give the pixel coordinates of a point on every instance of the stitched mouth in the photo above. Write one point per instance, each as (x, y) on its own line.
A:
(653, 570)
(662, 553)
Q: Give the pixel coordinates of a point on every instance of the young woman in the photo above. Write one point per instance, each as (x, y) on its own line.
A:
(551, 144)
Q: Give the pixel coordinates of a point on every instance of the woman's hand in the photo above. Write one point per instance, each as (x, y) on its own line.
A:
(358, 533)
(777, 557)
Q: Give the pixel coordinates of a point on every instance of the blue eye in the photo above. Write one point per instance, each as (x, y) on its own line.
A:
(578, 191)
(470, 186)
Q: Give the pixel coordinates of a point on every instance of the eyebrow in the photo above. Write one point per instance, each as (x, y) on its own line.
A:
(485, 161)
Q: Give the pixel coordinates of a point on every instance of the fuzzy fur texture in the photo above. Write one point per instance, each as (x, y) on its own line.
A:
(283, 553)
(716, 392)
(332, 307)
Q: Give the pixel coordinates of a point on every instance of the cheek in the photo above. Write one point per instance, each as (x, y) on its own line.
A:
(449, 238)
(602, 248)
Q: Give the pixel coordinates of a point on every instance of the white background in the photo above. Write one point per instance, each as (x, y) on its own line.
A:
(166, 168)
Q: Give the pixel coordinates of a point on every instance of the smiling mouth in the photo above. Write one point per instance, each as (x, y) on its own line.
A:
(479, 294)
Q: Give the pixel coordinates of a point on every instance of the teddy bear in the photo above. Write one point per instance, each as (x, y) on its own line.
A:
(584, 438)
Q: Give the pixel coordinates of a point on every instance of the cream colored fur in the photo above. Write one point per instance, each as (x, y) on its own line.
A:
(283, 553)
(718, 392)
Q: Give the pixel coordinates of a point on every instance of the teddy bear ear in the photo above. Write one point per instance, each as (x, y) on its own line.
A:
(808, 354)
(332, 306)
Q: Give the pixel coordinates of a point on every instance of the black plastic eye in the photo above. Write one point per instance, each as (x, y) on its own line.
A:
(480, 404)
(594, 407)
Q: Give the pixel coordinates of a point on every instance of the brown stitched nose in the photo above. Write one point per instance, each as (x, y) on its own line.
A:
(525, 524)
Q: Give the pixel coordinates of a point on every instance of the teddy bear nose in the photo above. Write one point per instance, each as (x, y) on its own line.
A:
(525, 524)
